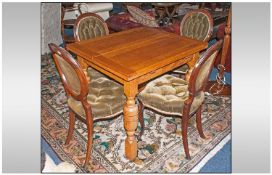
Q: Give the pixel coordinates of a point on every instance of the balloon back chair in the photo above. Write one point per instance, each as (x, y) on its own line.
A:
(99, 99)
(89, 26)
(176, 97)
(198, 25)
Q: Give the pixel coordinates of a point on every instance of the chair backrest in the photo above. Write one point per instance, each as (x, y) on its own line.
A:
(197, 24)
(71, 74)
(202, 69)
(88, 26)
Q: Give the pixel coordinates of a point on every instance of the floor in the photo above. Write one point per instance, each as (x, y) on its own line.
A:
(220, 162)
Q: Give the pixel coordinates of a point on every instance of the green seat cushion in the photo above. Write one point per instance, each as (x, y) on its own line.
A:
(167, 94)
(106, 98)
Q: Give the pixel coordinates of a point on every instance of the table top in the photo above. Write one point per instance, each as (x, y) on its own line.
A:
(133, 53)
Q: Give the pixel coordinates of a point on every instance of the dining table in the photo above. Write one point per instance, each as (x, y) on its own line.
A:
(132, 58)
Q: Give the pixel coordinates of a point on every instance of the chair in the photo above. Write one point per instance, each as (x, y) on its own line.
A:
(99, 99)
(176, 97)
(68, 22)
(196, 24)
(88, 26)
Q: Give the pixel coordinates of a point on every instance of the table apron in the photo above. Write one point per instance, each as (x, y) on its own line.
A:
(145, 77)
(162, 70)
(100, 69)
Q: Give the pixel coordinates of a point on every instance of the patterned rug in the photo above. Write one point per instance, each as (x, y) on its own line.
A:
(161, 150)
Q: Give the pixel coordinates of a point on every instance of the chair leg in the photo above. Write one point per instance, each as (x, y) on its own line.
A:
(89, 122)
(89, 146)
(199, 123)
(141, 119)
(71, 126)
(184, 128)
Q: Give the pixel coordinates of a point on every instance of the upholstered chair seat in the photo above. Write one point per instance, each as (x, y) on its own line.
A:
(105, 96)
(167, 95)
(94, 74)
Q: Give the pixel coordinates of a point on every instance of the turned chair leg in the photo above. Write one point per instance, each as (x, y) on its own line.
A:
(71, 126)
(89, 122)
(141, 119)
(184, 128)
(199, 123)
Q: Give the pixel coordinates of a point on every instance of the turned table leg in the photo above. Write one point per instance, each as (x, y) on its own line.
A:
(130, 119)
(191, 65)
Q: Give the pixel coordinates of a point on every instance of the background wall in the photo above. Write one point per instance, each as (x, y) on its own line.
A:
(50, 25)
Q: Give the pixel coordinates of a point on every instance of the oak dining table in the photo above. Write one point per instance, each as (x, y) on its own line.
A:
(134, 57)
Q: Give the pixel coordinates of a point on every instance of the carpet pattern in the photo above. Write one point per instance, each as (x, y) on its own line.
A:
(161, 150)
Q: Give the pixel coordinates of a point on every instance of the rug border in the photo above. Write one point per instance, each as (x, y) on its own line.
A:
(211, 154)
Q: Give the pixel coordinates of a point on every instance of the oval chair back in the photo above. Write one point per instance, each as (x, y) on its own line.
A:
(88, 26)
(197, 24)
(202, 69)
(71, 74)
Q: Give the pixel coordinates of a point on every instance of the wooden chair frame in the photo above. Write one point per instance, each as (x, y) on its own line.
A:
(193, 92)
(82, 97)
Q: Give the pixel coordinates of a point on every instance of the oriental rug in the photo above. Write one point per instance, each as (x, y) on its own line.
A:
(161, 149)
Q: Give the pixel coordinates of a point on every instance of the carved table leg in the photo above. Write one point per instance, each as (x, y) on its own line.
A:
(191, 65)
(130, 119)
(84, 66)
